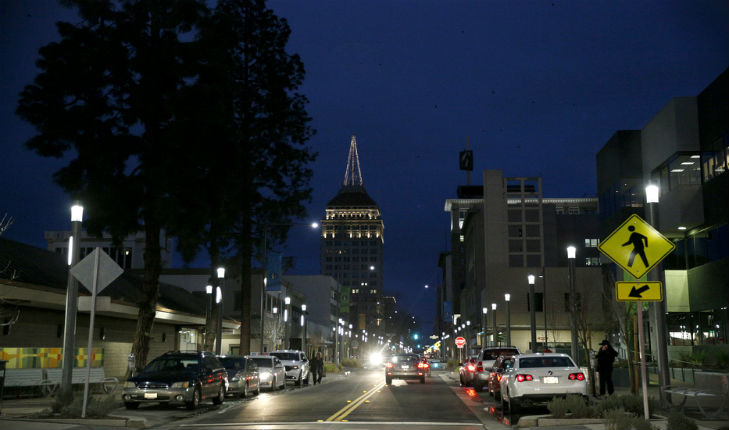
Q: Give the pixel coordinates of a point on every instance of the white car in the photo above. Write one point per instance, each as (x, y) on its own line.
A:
(296, 363)
(539, 378)
(271, 372)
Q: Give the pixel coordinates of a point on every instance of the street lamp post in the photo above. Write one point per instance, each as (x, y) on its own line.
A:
(484, 311)
(658, 309)
(304, 322)
(532, 313)
(571, 254)
(507, 299)
(287, 332)
(208, 314)
(493, 308)
(219, 300)
(69, 327)
(275, 328)
(468, 333)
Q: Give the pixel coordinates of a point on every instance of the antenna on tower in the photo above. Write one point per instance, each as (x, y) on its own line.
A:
(353, 174)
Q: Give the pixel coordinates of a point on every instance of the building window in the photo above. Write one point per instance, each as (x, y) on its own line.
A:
(592, 243)
(573, 210)
(592, 261)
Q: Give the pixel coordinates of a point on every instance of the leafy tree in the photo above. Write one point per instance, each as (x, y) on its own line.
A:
(114, 92)
(262, 182)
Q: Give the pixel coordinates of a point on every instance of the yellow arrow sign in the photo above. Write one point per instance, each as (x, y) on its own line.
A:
(636, 246)
(634, 291)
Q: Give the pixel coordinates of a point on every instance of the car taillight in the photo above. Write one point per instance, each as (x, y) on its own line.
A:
(522, 378)
(577, 376)
(480, 367)
(420, 365)
(471, 368)
(498, 377)
(390, 365)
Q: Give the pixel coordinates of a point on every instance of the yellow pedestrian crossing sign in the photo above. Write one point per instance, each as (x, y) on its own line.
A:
(636, 246)
(634, 291)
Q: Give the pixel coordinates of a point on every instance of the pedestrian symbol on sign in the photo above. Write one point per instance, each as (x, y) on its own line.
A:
(637, 240)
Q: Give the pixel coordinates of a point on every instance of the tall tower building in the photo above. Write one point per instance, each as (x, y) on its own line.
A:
(352, 247)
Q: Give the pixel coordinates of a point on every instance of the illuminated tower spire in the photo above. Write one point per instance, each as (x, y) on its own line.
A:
(353, 175)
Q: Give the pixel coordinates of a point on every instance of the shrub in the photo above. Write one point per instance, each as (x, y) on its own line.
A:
(331, 368)
(351, 362)
(632, 403)
(642, 424)
(98, 406)
(606, 404)
(617, 419)
(577, 405)
(678, 421)
(557, 407)
(452, 365)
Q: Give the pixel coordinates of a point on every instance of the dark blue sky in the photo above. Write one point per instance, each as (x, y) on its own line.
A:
(539, 86)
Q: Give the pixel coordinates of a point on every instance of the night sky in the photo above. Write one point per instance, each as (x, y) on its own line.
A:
(538, 86)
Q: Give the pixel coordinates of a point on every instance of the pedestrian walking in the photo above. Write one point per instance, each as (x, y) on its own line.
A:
(605, 358)
(317, 368)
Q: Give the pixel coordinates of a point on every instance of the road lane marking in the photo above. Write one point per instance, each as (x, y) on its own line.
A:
(354, 404)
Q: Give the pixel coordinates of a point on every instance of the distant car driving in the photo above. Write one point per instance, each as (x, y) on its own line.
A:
(404, 366)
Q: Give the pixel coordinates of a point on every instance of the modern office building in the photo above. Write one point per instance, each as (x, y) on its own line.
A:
(504, 231)
(684, 150)
(352, 245)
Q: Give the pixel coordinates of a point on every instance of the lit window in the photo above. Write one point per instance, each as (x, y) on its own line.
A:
(462, 238)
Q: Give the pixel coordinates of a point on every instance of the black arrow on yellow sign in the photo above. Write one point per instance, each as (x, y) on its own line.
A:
(637, 293)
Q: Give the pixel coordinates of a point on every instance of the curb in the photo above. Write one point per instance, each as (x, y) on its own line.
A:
(81, 421)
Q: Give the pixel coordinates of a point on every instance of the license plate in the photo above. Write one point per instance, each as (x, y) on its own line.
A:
(150, 395)
(405, 366)
(550, 380)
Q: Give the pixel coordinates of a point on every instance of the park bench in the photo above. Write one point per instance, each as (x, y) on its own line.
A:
(48, 380)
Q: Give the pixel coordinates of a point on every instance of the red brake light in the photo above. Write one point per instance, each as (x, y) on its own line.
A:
(390, 365)
(471, 368)
(578, 376)
(522, 378)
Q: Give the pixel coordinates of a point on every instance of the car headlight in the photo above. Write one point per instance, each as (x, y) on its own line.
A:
(265, 375)
(296, 367)
(129, 384)
(181, 384)
(234, 379)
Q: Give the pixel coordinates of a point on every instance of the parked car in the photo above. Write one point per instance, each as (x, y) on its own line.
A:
(500, 366)
(242, 375)
(271, 372)
(486, 359)
(436, 364)
(533, 378)
(404, 366)
(183, 378)
(467, 370)
(296, 364)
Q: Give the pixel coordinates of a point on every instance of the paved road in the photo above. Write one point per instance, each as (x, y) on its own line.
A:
(361, 400)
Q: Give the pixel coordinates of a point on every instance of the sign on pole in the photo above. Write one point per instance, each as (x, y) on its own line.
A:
(636, 246)
(95, 272)
(460, 342)
(635, 291)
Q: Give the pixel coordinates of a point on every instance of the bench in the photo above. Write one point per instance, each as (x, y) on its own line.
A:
(48, 380)
(711, 402)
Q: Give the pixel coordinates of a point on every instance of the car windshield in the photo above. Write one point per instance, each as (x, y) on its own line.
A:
(546, 362)
(493, 354)
(293, 356)
(404, 358)
(233, 362)
(166, 364)
(264, 362)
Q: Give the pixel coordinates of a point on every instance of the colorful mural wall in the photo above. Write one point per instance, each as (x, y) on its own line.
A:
(48, 358)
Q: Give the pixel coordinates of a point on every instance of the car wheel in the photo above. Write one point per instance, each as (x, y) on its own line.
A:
(245, 391)
(131, 405)
(388, 380)
(195, 402)
(274, 384)
(220, 397)
(298, 380)
(422, 379)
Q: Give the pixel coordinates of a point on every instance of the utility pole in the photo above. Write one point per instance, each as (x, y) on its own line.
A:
(69, 327)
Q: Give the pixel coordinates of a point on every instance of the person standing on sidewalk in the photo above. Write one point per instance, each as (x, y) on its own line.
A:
(317, 368)
(605, 358)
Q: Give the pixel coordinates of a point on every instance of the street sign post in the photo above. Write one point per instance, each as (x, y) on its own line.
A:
(636, 246)
(636, 291)
(460, 341)
(95, 272)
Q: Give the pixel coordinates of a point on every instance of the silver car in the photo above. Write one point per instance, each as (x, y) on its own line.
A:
(295, 363)
(539, 378)
(271, 372)
(242, 375)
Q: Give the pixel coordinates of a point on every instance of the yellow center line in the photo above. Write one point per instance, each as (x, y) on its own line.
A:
(352, 406)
